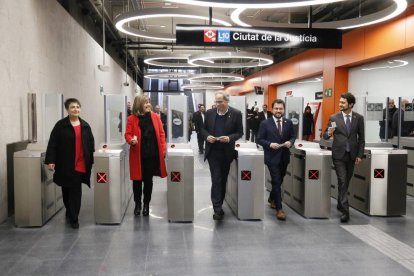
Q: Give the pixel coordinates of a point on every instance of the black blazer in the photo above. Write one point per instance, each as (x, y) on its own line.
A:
(61, 151)
(356, 137)
(268, 134)
(233, 128)
(198, 121)
(262, 116)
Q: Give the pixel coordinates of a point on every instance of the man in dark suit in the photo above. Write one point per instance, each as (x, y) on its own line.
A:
(276, 135)
(222, 127)
(347, 129)
(198, 120)
(264, 115)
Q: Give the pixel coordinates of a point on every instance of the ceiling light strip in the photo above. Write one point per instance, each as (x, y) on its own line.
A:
(207, 59)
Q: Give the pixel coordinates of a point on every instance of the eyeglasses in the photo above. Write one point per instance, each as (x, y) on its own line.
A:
(219, 102)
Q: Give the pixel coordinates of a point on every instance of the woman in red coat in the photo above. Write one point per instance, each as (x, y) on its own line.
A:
(145, 134)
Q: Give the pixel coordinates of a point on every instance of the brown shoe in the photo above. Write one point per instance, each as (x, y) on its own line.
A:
(273, 204)
(280, 215)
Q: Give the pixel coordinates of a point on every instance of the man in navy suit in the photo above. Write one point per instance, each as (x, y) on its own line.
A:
(276, 135)
(347, 130)
(223, 125)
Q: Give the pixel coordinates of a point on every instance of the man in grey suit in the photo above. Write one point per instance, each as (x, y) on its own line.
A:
(347, 129)
(222, 126)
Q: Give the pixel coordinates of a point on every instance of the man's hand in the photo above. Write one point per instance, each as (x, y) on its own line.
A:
(358, 160)
(287, 144)
(275, 146)
(51, 167)
(211, 139)
(224, 139)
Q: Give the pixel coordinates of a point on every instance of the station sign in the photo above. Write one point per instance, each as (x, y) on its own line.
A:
(206, 35)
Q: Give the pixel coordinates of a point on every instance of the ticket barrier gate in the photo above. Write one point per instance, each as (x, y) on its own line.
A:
(378, 187)
(245, 183)
(180, 182)
(306, 186)
(407, 143)
(36, 196)
(374, 189)
(112, 184)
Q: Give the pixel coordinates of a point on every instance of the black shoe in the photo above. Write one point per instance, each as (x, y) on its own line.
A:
(74, 225)
(137, 209)
(67, 216)
(345, 217)
(218, 216)
(145, 211)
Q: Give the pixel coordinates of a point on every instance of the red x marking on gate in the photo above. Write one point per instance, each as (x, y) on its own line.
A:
(101, 177)
(246, 175)
(313, 174)
(379, 173)
(175, 176)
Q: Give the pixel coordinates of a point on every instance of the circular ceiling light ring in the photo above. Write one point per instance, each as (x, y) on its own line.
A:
(257, 4)
(168, 61)
(202, 86)
(207, 59)
(392, 11)
(216, 77)
(122, 20)
(169, 76)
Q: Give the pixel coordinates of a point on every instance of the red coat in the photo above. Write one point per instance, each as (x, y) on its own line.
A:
(132, 129)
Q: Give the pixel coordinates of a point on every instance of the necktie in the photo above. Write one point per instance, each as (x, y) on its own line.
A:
(348, 123)
(348, 128)
(279, 127)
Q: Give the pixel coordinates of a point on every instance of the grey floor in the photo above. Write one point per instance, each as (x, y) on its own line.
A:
(153, 246)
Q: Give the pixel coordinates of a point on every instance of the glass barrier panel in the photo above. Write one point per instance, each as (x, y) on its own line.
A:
(115, 118)
(294, 111)
(177, 119)
(53, 111)
(239, 102)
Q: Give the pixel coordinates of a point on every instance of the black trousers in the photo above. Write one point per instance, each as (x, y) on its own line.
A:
(344, 170)
(219, 170)
(72, 198)
(147, 175)
(200, 142)
(277, 173)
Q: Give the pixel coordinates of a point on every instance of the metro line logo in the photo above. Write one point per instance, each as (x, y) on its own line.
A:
(224, 36)
(210, 35)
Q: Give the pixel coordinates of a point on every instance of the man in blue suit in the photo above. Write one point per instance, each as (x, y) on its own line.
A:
(276, 135)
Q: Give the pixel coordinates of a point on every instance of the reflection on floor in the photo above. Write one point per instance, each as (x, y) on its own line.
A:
(153, 246)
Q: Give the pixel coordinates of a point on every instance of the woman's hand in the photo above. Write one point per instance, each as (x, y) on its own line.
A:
(51, 167)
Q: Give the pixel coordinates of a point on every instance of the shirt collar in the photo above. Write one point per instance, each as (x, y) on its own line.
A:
(344, 114)
(221, 114)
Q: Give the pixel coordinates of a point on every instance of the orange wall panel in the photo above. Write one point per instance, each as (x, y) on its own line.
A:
(353, 48)
(385, 39)
(409, 32)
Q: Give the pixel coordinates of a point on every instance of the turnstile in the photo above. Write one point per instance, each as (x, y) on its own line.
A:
(407, 143)
(112, 184)
(306, 186)
(36, 197)
(378, 186)
(245, 183)
(180, 183)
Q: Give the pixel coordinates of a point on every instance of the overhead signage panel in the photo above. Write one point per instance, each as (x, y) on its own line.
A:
(204, 35)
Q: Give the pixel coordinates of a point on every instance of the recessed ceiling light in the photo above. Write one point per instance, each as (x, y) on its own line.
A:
(121, 22)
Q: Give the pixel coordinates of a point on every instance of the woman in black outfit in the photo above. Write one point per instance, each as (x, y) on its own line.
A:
(70, 154)
(307, 123)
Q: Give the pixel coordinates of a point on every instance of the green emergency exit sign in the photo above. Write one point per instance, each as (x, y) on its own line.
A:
(328, 92)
